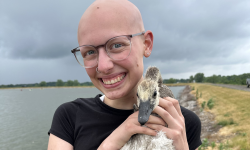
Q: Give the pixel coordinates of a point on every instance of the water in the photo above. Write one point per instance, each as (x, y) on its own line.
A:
(25, 116)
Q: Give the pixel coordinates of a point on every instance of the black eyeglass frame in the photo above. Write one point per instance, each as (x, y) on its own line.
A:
(104, 45)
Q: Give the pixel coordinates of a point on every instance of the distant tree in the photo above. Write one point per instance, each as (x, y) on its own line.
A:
(165, 81)
(69, 83)
(10, 85)
(2, 86)
(199, 77)
(76, 83)
(43, 83)
(172, 80)
(87, 84)
(191, 79)
(59, 82)
(183, 80)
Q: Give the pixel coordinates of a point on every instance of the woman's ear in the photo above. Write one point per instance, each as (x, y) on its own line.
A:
(148, 43)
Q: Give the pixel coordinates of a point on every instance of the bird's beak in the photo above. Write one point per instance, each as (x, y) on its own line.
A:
(144, 111)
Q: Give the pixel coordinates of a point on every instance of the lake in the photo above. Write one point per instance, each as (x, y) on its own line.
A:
(26, 116)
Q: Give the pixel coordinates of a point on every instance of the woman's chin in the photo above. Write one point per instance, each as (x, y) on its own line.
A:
(114, 95)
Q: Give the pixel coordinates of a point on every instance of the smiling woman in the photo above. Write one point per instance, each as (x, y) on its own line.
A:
(112, 43)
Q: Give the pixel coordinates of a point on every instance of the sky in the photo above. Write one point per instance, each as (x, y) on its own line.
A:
(192, 36)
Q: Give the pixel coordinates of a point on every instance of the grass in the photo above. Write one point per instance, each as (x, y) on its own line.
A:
(210, 103)
(206, 145)
(232, 110)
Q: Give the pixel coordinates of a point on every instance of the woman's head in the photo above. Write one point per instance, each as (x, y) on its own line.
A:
(103, 20)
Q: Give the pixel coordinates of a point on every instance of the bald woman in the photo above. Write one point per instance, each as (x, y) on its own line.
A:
(112, 43)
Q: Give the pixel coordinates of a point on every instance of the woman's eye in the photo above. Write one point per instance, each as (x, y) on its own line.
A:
(90, 52)
(117, 45)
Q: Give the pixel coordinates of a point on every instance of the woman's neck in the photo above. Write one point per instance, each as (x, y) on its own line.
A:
(125, 103)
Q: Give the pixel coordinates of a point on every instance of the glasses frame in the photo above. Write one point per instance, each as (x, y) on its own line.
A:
(104, 45)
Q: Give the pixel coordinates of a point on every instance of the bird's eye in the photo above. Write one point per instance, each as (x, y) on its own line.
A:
(137, 95)
(155, 93)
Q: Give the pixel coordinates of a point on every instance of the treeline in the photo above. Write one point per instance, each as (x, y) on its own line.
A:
(59, 82)
(200, 78)
(233, 79)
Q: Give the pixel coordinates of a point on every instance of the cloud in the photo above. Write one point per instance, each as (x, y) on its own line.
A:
(39, 29)
(189, 37)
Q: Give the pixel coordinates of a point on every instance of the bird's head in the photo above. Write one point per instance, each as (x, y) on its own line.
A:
(147, 99)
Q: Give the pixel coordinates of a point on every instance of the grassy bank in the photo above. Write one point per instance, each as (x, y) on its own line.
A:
(232, 111)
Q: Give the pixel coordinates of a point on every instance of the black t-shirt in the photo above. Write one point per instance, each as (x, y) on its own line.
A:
(85, 123)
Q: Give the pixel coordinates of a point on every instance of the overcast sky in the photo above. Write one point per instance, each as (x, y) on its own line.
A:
(208, 36)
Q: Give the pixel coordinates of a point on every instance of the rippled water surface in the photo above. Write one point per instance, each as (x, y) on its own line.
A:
(25, 116)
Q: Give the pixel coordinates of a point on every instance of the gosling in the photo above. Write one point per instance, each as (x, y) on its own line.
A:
(148, 93)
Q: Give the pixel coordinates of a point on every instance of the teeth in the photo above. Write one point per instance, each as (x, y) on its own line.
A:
(114, 80)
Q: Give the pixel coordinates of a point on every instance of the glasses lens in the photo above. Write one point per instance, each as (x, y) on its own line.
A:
(119, 48)
(86, 56)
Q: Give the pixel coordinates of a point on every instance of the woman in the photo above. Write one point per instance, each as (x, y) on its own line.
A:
(112, 46)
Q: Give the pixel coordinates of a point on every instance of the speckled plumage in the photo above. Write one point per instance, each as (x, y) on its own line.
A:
(151, 83)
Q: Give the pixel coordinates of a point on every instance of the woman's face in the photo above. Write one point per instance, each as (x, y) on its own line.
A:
(126, 73)
(96, 27)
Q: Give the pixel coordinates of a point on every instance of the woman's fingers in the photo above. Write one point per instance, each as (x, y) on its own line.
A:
(176, 104)
(160, 128)
(171, 134)
(165, 116)
(169, 106)
(145, 130)
(156, 120)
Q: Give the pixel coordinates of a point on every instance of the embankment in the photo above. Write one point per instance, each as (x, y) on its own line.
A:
(229, 118)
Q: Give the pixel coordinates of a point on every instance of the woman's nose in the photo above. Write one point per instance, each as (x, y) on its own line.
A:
(105, 63)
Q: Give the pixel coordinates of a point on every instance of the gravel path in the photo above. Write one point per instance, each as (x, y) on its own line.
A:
(231, 86)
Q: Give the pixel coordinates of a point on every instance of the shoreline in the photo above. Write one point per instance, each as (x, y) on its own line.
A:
(209, 128)
(48, 87)
(169, 85)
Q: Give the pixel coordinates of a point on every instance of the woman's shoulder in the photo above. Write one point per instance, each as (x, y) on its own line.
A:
(79, 102)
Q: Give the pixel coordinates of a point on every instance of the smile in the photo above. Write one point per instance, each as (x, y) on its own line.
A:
(113, 80)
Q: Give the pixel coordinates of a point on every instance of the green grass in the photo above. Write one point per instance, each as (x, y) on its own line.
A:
(231, 109)
(226, 122)
(210, 103)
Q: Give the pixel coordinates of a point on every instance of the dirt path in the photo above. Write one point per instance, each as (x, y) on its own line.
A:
(231, 86)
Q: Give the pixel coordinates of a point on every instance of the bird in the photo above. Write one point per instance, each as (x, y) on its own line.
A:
(148, 92)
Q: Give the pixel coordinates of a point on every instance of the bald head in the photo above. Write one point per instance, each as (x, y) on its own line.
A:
(109, 18)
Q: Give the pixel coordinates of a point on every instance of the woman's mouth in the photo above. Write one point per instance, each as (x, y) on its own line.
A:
(113, 80)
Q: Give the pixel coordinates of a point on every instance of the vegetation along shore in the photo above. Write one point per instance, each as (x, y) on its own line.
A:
(224, 115)
(198, 77)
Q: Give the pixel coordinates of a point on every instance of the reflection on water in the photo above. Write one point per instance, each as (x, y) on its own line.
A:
(25, 116)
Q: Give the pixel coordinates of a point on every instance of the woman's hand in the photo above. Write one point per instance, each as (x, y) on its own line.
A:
(120, 136)
(170, 112)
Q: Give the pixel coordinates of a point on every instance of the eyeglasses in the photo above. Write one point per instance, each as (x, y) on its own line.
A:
(117, 48)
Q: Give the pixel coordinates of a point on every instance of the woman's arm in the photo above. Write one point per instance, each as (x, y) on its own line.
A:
(55, 143)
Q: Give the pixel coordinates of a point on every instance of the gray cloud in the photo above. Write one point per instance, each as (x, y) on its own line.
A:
(189, 37)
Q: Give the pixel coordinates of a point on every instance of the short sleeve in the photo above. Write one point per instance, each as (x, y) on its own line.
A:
(63, 123)
(193, 128)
